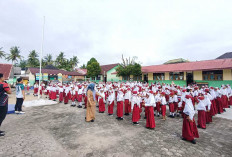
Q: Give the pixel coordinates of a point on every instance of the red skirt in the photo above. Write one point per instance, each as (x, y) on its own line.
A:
(111, 108)
(79, 98)
(120, 108)
(135, 113)
(175, 106)
(201, 121)
(219, 105)
(157, 108)
(53, 95)
(224, 101)
(28, 88)
(150, 117)
(73, 98)
(126, 105)
(230, 101)
(163, 110)
(69, 95)
(36, 90)
(101, 105)
(171, 107)
(189, 129)
(61, 96)
(66, 99)
(146, 111)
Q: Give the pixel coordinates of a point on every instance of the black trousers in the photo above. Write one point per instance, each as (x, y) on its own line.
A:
(3, 112)
(18, 105)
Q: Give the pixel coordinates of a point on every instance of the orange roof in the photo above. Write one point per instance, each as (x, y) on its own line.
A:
(217, 64)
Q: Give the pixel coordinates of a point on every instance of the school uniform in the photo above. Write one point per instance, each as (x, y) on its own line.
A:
(150, 104)
(135, 105)
(111, 103)
(201, 121)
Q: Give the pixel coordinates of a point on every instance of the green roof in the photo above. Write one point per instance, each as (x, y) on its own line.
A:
(179, 60)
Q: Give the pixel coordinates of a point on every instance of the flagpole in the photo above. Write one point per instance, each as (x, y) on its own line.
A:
(41, 56)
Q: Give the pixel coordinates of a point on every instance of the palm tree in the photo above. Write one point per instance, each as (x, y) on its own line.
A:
(33, 60)
(2, 53)
(14, 55)
(23, 64)
(60, 60)
(48, 59)
(74, 62)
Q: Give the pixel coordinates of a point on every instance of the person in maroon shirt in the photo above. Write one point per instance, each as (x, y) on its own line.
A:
(4, 90)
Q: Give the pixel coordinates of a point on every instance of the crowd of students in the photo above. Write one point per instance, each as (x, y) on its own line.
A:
(134, 97)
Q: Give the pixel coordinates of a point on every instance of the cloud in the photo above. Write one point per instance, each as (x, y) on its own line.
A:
(155, 31)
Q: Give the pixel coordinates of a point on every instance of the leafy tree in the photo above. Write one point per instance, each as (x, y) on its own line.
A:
(48, 60)
(60, 61)
(22, 64)
(74, 61)
(93, 68)
(2, 53)
(14, 55)
(33, 60)
(129, 67)
(83, 66)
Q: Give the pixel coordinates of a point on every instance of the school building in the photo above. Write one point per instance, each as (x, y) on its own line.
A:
(208, 72)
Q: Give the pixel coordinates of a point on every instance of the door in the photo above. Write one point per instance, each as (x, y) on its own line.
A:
(189, 78)
(145, 78)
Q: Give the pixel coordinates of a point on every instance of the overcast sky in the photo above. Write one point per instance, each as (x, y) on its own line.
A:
(153, 30)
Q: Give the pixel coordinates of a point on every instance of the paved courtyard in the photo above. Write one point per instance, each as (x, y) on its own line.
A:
(60, 130)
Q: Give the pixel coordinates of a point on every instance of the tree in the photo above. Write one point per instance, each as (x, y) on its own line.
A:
(33, 60)
(93, 68)
(129, 67)
(74, 61)
(14, 55)
(23, 64)
(48, 59)
(83, 66)
(2, 53)
(60, 61)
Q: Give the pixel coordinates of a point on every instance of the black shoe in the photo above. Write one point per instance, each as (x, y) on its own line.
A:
(198, 126)
(2, 131)
(207, 123)
(85, 117)
(184, 139)
(120, 118)
(60, 101)
(79, 106)
(219, 112)
(158, 115)
(193, 141)
(178, 115)
(84, 108)
(2, 134)
(92, 120)
(172, 116)
(145, 117)
(126, 114)
(97, 106)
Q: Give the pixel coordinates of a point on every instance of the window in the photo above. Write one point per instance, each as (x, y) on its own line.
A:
(98, 77)
(158, 76)
(126, 78)
(213, 75)
(137, 78)
(176, 75)
(92, 78)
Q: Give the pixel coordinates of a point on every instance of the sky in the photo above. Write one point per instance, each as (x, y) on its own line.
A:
(153, 30)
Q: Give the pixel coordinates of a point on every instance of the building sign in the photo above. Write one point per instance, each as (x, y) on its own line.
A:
(45, 76)
(37, 76)
(60, 77)
(69, 77)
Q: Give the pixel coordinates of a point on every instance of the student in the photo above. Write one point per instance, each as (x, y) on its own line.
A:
(4, 90)
(189, 129)
(111, 103)
(163, 105)
(120, 99)
(150, 104)
(201, 122)
(20, 95)
(101, 101)
(61, 94)
(135, 104)
(127, 101)
(171, 105)
(79, 98)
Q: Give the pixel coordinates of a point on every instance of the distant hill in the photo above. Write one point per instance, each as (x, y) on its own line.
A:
(179, 60)
(225, 55)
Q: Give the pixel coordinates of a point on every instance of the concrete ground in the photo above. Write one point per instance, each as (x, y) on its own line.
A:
(60, 130)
